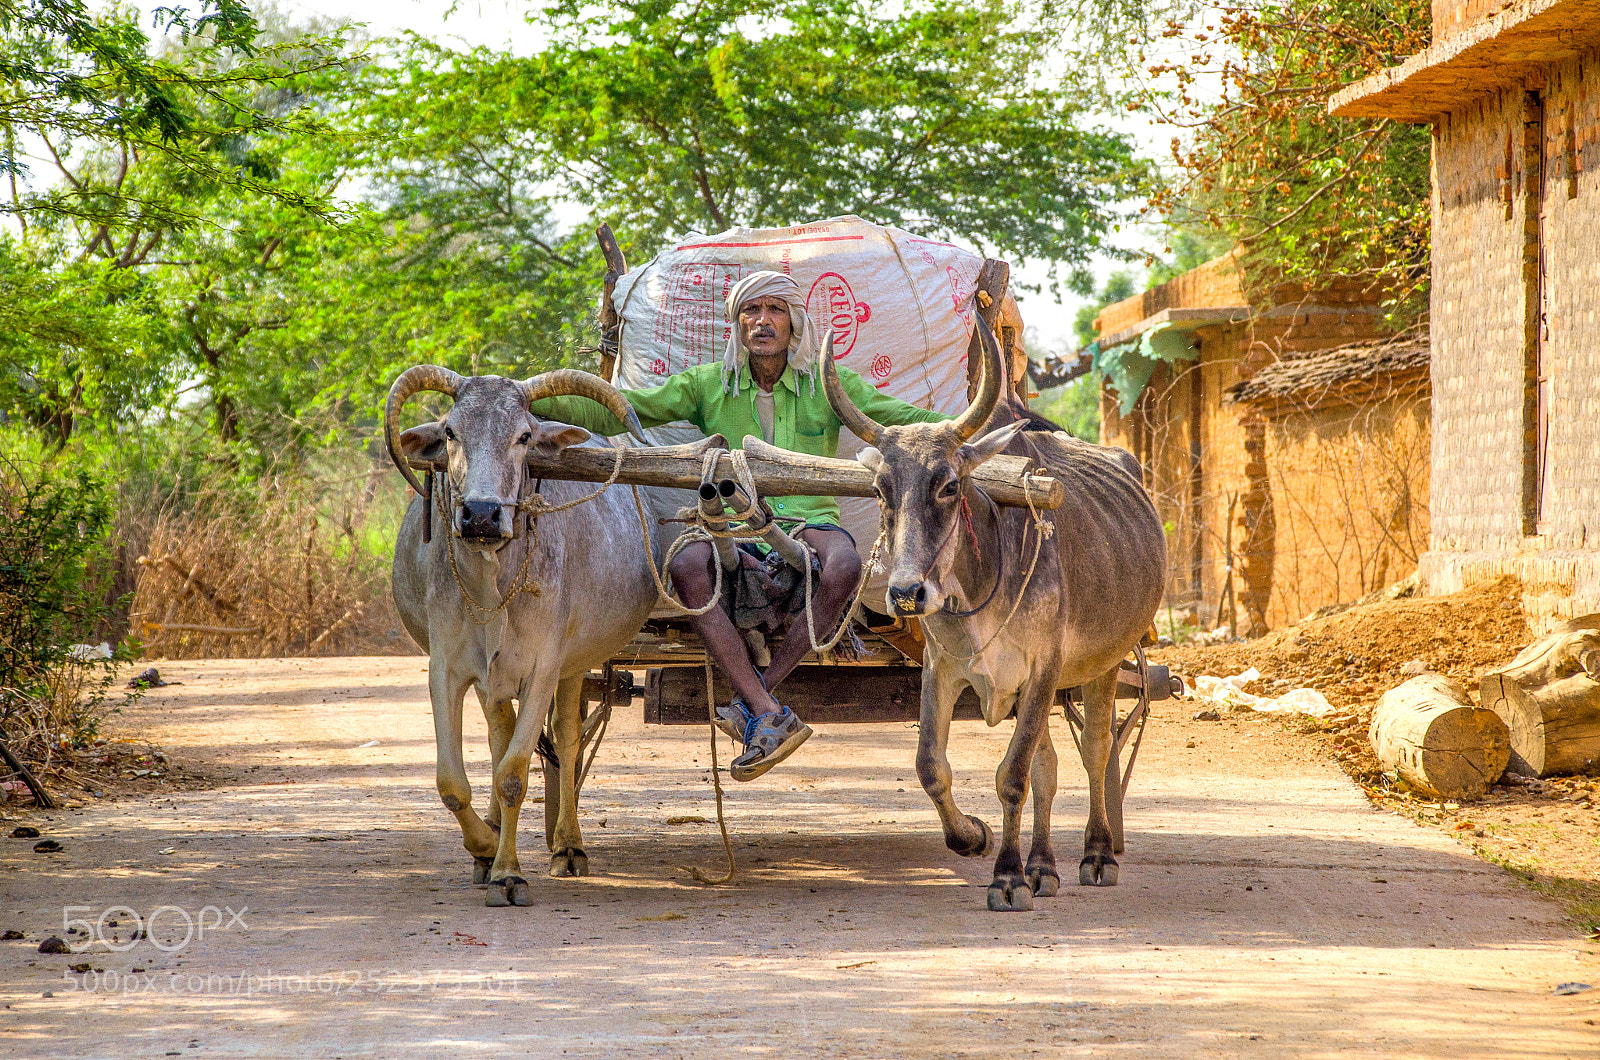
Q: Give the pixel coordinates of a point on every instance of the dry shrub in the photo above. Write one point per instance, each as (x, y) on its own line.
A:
(288, 572)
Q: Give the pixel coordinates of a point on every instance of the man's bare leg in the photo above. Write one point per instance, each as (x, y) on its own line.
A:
(694, 580)
(841, 570)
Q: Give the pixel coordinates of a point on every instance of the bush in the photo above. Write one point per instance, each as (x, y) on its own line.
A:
(297, 566)
(54, 527)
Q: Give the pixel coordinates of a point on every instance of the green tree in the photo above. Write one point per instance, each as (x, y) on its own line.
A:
(1259, 160)
(665, 118)
(142, 139)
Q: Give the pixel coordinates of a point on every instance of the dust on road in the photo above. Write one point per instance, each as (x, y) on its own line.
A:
(1265, 909)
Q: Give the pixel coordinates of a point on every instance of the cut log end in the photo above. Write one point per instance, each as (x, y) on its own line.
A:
(1432, 736)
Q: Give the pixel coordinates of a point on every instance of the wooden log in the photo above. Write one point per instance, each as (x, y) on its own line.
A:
(1428, 731)
(778, 472)
(1549, 698)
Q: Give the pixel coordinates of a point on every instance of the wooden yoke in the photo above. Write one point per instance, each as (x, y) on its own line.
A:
(610, 319)
(777, 472)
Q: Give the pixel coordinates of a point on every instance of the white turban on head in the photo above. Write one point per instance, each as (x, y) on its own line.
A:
(803, 340)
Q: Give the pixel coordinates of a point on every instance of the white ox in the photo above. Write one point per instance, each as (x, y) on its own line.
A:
(576, 599)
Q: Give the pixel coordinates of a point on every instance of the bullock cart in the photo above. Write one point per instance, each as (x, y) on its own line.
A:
(664, 663)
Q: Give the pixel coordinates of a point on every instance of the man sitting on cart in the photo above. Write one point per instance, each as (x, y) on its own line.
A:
(766, 385)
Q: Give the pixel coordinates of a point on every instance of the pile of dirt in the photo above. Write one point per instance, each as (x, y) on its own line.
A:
(1355, 656)
(1547, 832)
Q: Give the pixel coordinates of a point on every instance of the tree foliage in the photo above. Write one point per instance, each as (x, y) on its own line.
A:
(260, 224)
(665, 118)
(1259, 159)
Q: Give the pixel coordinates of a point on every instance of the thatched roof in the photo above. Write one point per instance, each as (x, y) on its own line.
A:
(1347, 375)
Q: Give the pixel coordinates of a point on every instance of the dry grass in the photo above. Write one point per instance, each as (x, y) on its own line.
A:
(292, 572)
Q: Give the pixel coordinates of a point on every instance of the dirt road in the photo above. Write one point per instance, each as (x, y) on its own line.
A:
(1264, 910)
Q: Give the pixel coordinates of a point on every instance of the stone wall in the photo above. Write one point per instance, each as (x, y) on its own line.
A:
(1479, 315)
(1569, 516)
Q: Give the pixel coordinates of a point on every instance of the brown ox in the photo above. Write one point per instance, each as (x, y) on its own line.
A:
(962, 566)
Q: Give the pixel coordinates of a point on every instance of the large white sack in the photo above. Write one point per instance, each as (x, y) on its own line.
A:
(901, 308)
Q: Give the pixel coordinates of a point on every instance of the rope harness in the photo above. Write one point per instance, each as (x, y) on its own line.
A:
(531, 508)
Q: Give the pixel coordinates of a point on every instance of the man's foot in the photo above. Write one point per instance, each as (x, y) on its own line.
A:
(768, 740)
(734, 719)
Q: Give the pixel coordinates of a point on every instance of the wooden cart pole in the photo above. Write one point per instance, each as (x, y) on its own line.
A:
(610, 320)
(777, 472)
(993, 280)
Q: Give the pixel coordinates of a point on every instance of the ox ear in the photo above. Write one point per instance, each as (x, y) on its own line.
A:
(869, 458)
(424, 444)
(975, 452)
(550, 438)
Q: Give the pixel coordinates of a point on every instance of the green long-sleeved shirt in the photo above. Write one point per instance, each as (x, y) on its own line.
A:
(803, 422)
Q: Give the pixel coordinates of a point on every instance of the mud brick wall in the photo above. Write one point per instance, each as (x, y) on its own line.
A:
(1452, 16)
(1516, 297)
(1478, 313)
(1218, 282)
(1350, 500)
(1206, 463)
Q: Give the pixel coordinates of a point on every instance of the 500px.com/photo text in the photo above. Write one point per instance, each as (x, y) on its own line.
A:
(346, 983)
(168, 928)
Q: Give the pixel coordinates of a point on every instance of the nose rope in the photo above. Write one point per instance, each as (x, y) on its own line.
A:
(1000, 557)
(1042, 530)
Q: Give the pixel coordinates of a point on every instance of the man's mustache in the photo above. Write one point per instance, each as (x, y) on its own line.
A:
(763, 331)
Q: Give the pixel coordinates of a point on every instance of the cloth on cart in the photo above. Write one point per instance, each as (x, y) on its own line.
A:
(765, 590)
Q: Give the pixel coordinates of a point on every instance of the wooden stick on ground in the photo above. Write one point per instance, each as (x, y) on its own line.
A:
(40, 796)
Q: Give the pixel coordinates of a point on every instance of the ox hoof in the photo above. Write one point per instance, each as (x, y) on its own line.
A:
(1098, 870)
(570, 861)
(481, 868)
(965, 847)
(1043, 881)
(511, 890)
(1010, 896)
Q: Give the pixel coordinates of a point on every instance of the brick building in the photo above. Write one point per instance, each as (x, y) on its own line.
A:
(1512, 92)
(1261, 428)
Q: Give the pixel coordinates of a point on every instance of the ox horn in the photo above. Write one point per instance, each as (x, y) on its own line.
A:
(569, 382)
(412, 380)
(864, 426)
(991, 373)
